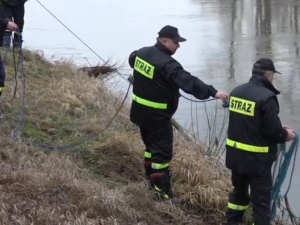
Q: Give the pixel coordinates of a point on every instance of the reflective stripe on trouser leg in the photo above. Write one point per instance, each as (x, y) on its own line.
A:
(159, 166)
(235, 213)
(237, 207)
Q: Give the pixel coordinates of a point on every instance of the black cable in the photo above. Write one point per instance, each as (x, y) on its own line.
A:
(192, 100)
(16, 68)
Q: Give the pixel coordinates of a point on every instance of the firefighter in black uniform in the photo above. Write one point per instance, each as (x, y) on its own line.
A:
(4, 24)
(251, 147)
(15, 11)
(157, 78)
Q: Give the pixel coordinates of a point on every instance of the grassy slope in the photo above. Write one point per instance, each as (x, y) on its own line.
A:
(100, 182)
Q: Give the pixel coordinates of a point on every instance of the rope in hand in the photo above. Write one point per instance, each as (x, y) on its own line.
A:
(225, 104)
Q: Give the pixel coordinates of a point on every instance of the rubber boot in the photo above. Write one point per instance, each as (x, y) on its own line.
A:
(232, 223)
(234, 217)
(162, 184)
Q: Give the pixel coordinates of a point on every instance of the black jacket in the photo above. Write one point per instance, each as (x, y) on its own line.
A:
(169, 76)
(13, 3)
(261, 127)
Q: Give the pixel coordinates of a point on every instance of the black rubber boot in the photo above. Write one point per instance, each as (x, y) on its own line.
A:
(232, 222)
(234, 217)
(162, 184)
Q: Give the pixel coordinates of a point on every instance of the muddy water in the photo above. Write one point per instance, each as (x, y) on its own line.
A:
(224, 39)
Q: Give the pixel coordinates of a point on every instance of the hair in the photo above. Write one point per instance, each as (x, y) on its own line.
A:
(258, 71)
(161, 39)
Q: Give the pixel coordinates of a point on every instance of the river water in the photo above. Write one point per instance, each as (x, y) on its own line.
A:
(224, 38)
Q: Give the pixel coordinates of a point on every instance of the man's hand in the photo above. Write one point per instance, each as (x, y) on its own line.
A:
(11, 26)
(290, 134)
(222, 95)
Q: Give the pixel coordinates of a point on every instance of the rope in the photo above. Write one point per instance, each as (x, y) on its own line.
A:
(16, 68)
(225, 104)
(16, 131)
(281, 167)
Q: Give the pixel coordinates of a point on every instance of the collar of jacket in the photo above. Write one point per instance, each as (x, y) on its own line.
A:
(259, 80)
(163, 48)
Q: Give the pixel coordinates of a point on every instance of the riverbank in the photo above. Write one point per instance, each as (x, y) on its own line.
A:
(100, 181)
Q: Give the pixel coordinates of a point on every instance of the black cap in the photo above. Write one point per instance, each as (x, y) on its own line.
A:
(264, 64)
(170, 32)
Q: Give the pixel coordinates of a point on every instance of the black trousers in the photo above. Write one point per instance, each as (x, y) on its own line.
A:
(260, 197)
(16, 14)
(159, 144)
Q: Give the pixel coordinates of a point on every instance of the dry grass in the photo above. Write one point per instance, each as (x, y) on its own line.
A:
(200, 181)
(101, 181)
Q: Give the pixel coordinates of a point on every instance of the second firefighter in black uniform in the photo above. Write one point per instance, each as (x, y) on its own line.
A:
(254, 131)
(157, 78)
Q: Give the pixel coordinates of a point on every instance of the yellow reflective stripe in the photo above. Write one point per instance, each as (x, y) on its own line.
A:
(148, 103)
(158, 166)
(1, 88)
(143, 67)
(241, 106)
(246, 147)
(147, 155)
(237, 207)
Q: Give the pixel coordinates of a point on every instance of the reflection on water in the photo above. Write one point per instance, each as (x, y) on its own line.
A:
(224, 39)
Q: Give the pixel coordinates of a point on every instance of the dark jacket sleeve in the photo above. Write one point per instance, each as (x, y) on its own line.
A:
(3, 24)
(131, 59)
(190, 84)
(272, 127)
(13, 3)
